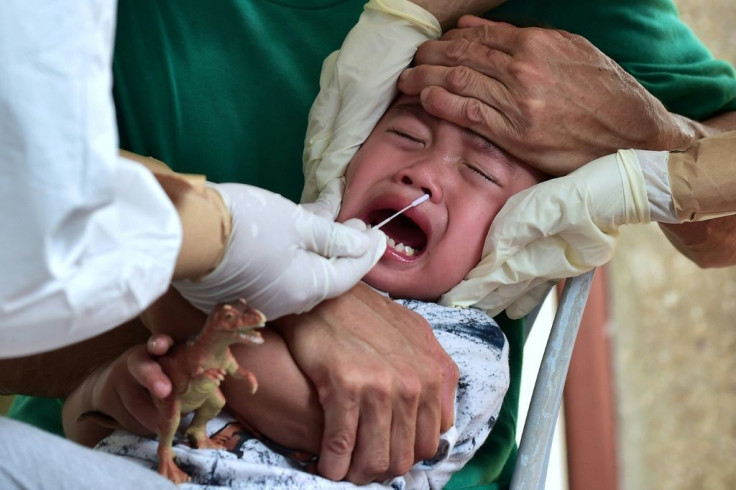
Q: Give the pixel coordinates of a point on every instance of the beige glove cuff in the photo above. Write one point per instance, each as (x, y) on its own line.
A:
(702, 179)
(636, 203)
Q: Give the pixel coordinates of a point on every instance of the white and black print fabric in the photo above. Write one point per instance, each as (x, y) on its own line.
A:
(471, 338)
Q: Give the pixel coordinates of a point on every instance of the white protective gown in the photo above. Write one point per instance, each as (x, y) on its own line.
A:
(87, 239)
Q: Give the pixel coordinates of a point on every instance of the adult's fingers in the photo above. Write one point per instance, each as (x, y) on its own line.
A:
(343, 273)
(329, 239)
(461, 81)
(404, 429)
(465, 53)
(450, 377)
(436, 411)
(371, 455)
(342, 410)
(468, 112)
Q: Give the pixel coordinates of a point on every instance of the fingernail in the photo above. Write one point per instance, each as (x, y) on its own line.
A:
(423, 95)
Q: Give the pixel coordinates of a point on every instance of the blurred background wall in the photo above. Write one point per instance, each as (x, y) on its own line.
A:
(674, 340)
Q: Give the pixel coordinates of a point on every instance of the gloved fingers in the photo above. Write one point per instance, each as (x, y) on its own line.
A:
(356, 224)
(332, 240)
(333, 276)
(312, 278)
(343, 273)
(328, 203)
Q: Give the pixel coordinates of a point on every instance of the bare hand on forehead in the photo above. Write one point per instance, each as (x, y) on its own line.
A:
(548, 97)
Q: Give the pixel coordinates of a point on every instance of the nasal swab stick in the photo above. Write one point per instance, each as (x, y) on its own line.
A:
(414, 203)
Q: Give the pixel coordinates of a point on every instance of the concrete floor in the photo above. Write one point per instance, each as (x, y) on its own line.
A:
(674, 333)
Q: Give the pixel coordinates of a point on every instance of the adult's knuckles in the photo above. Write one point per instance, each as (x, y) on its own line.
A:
(534, 39)
(528, 73)
(340, 442)
(410, 390)
(473, 111)
(431, 383)
(459, 79)
(458, 50)
(485, 33)
(356, 383)
(375, 466)
(439, 102)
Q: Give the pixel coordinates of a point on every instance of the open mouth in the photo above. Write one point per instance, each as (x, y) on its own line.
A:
(250, 335)
(403, 235)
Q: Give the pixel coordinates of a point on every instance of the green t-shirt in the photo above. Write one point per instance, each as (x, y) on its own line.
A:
(224, 88)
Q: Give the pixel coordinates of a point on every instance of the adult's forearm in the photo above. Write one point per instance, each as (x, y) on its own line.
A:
(57, 373)
(707, 243)
(710, 243)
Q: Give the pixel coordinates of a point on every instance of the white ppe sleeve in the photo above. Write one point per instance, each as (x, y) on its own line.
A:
(657, 179)
(691, 185)
(358, 83)
(88, 239)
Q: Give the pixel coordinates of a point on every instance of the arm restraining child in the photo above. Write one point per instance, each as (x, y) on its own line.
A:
(430, 249)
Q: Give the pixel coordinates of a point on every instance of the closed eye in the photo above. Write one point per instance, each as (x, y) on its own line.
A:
(406, 135)
(483, 174)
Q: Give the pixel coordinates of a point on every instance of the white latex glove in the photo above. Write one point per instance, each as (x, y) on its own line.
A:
(281, 258)
(556, 229)
(357, 84)
(329, 201)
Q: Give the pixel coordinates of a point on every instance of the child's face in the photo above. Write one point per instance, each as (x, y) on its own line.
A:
(410, 153)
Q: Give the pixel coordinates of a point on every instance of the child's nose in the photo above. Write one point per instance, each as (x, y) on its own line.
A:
(425, 175)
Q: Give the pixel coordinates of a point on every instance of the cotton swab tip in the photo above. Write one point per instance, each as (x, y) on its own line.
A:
(414, 203)
(419, 200)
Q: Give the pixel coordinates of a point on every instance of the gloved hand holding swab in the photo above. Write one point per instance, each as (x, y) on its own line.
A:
(416, 202)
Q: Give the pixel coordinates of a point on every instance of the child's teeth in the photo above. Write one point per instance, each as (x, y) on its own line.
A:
(400, 247)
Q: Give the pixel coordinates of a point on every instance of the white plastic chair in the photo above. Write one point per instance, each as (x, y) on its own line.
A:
(536, 441)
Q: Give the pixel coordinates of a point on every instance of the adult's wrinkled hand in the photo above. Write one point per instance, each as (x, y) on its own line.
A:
(386, 385)
(521, 88)
(282, 258)
(556, 229)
